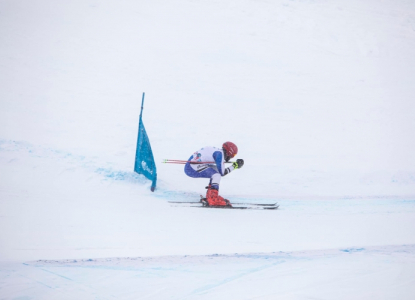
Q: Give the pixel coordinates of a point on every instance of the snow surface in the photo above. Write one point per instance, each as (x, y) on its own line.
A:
(318, 96)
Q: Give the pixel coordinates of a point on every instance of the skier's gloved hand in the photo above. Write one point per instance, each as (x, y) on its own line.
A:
(238, 164)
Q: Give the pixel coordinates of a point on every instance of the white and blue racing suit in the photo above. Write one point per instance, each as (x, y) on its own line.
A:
(208, 162)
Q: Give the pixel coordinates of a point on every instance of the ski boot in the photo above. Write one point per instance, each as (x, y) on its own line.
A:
(213, 198)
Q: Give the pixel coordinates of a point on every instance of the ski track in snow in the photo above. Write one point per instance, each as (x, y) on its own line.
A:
(248, 272)
(17, 149)
(215, 276)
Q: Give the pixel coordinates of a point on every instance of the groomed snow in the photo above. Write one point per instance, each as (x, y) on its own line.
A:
(318, 96)
(351, 273)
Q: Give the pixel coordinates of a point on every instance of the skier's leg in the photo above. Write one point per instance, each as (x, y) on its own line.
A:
(203, 172)
(215, 181)
(212, 194)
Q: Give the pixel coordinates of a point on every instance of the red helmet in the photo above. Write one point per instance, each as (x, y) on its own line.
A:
(230, 149)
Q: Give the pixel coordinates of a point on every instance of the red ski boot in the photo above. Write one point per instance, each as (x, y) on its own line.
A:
(213, 198)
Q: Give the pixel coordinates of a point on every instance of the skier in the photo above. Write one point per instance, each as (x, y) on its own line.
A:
(209, 162)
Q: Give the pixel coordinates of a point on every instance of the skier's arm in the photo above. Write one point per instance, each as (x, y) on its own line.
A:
(218, 157)
(236, 165)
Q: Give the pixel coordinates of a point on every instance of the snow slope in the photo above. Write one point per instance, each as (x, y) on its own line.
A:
(356, 273)
(318, 96)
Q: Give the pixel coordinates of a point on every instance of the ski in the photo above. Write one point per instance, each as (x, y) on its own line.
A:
(203, 204)
(235, 207)
(233, 203)
(240, 207)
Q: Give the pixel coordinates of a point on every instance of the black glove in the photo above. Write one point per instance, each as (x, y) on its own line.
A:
(238, 164)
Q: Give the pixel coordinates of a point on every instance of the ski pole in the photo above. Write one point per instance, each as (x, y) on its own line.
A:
(175, 161)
